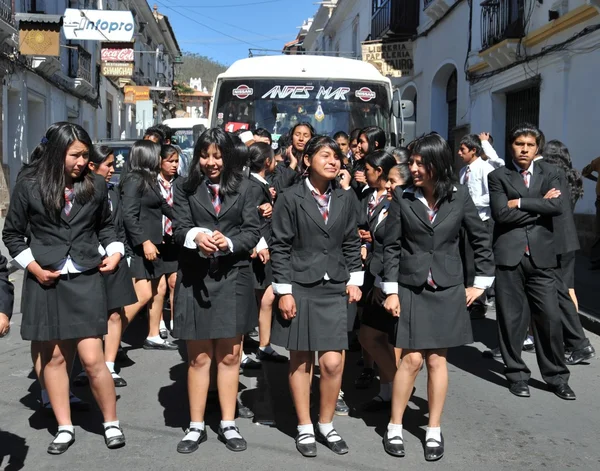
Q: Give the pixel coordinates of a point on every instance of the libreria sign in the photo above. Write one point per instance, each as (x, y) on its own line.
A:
(98, 25)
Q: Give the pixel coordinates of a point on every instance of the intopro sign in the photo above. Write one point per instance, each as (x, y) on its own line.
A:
(98, 25)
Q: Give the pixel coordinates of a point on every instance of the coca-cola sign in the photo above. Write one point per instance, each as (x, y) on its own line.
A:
(113, 54)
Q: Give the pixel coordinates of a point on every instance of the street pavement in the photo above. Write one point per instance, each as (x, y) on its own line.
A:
(484, 426)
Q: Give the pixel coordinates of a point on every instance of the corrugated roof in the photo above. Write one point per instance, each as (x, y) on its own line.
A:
(39, 18)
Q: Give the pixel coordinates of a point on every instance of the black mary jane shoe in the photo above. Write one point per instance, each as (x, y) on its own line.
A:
(339, 447)
(394, 449)
(308, 450)
(190, 446)
(376, 404)
(434, 453)
(232, 444)
(114, 442)
(59, 448)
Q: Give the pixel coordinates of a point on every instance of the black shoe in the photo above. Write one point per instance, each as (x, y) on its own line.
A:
(394, 449)
(308, 450)
(190, 446)
(477, 311)
(150, 345)
(493, 353)
(122, 356)
(583, 354)
(564, 391)
(341, 408)
(376, 404)
(119, 382)
(273, 356)
(250, 364)
(339, 448)
(81, 380)
(60, 448)
(434, 453)
(365, 379)
(79, 406)
(529, 346)
(233, 444)
(243, 411)
(114, 442)
(519, 389)
(164, 333)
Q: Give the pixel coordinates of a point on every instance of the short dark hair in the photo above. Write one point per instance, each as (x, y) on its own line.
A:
(262, 132)
(319, 142)
(258, 154)
(437, 158)
(155, 131)
(354, 134)
(340, 135)
(526, 129)
(381, 159)
(472, 142)
(167, 130)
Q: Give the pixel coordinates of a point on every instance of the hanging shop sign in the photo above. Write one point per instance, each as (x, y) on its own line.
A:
(39, 35)
(391, 59)
(117, 69)
(117, 52)
(134, 94)
(98, 25)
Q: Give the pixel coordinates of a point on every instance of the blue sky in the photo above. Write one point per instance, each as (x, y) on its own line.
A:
(237, 25)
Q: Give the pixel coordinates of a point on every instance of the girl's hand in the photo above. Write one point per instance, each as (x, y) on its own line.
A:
(359, 176)
(150, 251)
(44, 277)
(392, 305)
(206, 244)
(363, 253)
(253, 254)
(273, 192)
(109, 264)
(287, 306)
(264, 256)
(220, 241)
(472, 294)
(354, 294)
(266, 210)
(365, 236)
(345, 179)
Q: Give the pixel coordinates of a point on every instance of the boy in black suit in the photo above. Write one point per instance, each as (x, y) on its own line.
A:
(524, 198)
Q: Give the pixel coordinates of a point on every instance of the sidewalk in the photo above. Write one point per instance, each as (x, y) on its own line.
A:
(587, 288)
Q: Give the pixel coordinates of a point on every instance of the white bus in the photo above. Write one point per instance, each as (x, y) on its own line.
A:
(275, 92)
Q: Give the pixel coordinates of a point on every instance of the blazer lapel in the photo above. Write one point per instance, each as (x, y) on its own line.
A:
(309, 205)
(516, 180)
(373, 217)
(227, 203)
(536, 180)
(443, 211)
(336, 206)
(74, 210)
(418, 208)
(204, 199)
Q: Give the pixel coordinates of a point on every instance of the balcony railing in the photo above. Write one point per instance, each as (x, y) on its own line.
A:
(80, 64)
(426, 3)
(6, 12)
(500, 20)
(399, 18)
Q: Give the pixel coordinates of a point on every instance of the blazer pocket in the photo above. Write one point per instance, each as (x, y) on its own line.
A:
(302, 262)
(453, 265)
(413, 264)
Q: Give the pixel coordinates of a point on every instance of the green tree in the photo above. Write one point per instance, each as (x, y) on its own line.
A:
(196, 65)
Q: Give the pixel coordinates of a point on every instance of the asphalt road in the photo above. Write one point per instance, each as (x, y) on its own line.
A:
(484, 426)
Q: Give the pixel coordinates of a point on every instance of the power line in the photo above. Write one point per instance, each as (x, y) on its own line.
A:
(229, 6)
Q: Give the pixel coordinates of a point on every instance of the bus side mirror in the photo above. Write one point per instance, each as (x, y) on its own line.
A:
(403, 108)
(396, 107)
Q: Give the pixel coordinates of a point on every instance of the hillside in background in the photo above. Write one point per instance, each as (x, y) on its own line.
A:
(195, 65)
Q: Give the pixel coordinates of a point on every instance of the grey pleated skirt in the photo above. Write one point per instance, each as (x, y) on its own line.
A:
(322, 319)
(73, 308)
(431, 319)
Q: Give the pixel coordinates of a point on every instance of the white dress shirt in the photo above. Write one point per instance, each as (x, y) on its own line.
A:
(477, 183)
(67, 265)
(493, 159)
(165, 194)
(529, 170)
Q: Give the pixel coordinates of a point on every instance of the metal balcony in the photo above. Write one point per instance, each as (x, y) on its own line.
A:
(501, 20)
(394, 18)
(7, 20)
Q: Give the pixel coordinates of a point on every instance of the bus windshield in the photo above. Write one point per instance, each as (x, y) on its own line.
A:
(278, 104)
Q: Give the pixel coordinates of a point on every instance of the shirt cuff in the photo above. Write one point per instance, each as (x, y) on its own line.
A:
(101, 250)
(389, 287)
(115, 247)
(262, 245)
(483, 282)
(282, 288)
(357, 278)
(230, 244)
(519, 204)
(24, 258)
(190, 243)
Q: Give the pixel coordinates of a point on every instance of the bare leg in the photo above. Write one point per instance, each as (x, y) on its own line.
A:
(155, 307)
(56, 376)
(300, 373)
(574, 298)
(143, 290)
(171, 281)
(332, 366)
(227, 356)
(376, 343)
(200, 354)
(36, 359)
(112, 340)
(437, 384)
(265, 317)
(404, 381)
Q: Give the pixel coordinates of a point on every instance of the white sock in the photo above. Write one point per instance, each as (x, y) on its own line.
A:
(171, 324)
(435, 433)
(45, 397)
(162, 325)
(194, 436)
(325, 429)
(111, 366)
(156, 339)
(394, 430)
(113, 432)
(268, 349)
(64, 437)
(302, 429)
(341, 395)
(230, 433)
(385, 391)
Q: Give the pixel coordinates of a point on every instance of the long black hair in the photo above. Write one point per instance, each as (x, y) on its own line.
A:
(47, 168)
(437, 158)
(401, 154)
(100, 153)
(232, 171)
(297, 153)
(258, 154)
(381, 159)
(374, 134)
(143, 164)
(167, 150)
(556, 153)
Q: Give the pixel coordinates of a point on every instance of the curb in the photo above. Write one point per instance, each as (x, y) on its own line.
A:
(590, 322)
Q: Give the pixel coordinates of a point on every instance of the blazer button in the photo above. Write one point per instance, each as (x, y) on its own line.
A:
(327, 236)
(325, 251)
(431, 251)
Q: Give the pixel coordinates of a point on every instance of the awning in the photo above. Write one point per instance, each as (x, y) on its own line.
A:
(39, 18)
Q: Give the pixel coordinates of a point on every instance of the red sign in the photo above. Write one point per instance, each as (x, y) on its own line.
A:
(113, 54)
(233, 126)
(365, 94)
(242, 92)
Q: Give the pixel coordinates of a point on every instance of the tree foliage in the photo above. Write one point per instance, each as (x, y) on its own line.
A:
(196, 65)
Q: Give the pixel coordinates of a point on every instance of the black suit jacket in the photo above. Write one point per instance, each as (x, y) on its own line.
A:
(261, 195)
(79, 234)
(304, 248)
(565, 231)
(531, 225)
(117, 215)
(143, 211)
(238, 220)
(375, 259)
(6, 289)
(413, 245)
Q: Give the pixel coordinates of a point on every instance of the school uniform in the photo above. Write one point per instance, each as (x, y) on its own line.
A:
(75, 305)
(263, 274)
(6, 289)
(143, 210)
(315, 253)
(119, 284)
(214, 297)
(168, 249)
(422, 265)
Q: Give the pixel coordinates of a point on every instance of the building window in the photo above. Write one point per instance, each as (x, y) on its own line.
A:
(355, 39)
(452, 101)
(109, 118)
(523, 106)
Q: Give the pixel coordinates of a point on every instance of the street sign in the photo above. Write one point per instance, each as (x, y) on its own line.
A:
(391, 59)
(135, 94)
(98, 25)
(117, 69)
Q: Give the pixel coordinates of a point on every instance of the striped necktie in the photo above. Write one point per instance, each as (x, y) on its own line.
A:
(323, 203)
(69, 194)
